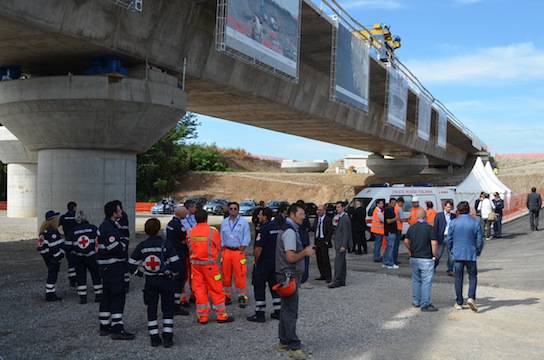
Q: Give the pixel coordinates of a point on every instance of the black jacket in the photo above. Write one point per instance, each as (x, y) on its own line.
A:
(358, 220)
(328, 229)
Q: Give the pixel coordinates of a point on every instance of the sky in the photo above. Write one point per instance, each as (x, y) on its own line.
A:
(484, 59)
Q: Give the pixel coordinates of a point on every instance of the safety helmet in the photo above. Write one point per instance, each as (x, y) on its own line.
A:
(286, 289)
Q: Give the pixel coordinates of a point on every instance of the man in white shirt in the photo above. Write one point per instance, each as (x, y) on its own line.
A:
(487, 211)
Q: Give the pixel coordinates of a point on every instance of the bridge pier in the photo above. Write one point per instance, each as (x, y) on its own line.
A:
(22, 169)
(87, 131)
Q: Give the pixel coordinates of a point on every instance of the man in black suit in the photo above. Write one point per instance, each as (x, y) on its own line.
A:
(323, 231)
(440, 234)
(358, 226)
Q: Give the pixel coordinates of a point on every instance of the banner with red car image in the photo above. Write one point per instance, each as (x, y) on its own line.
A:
(265, 32)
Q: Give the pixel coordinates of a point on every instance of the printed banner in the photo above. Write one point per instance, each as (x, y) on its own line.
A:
(397, 99)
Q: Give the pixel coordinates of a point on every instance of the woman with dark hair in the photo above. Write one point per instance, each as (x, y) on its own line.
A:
(50, 244)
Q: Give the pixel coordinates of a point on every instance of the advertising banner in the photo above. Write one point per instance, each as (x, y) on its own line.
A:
(397, 99)
(424, 112)
(442, 129)
(264, 31)
(352, 69)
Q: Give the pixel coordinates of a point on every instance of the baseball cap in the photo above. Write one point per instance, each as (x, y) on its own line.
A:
(51, 214)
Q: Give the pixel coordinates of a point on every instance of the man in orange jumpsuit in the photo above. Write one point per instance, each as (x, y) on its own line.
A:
(204, 247)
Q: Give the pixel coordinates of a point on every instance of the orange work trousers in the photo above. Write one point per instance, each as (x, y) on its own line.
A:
(234, 263)
(206, 283)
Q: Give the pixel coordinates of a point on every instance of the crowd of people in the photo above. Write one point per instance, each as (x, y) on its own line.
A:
(190, 261)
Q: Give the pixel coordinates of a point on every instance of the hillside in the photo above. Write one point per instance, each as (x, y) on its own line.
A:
(520, 173)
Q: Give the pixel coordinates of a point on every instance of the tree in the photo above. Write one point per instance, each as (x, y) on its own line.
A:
(159, 167)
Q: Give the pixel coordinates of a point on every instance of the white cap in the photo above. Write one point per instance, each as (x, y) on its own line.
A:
(415, 199)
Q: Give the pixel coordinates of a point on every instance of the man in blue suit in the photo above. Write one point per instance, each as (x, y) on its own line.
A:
(440, 234)
(466, 242)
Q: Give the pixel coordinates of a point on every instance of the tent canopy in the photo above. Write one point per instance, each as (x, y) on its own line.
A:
(480, 180)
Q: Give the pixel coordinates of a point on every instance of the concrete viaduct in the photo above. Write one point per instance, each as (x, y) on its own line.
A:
(87, 130)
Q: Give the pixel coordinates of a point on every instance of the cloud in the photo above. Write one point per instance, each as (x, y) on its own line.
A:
(514, 62)
(372, 4)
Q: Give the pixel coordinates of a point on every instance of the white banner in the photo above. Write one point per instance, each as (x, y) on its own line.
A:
(265, 31)
(424, 113)
(397, 99)
(352, 69)
(442, 137)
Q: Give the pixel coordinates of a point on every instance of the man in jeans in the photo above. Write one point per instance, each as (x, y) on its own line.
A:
(422, 250)
(290, 259)
(465, 241)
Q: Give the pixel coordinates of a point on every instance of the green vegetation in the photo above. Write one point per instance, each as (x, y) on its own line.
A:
(160, 167)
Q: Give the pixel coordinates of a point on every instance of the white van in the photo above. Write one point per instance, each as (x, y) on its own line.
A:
(368, 197)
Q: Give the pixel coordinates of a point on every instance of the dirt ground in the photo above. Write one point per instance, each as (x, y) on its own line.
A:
(520, 174)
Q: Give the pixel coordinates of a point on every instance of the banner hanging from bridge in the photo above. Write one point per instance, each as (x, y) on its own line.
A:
(424, 112)
(351, 69)
(265, 33)
(442, 129)
(397, 98)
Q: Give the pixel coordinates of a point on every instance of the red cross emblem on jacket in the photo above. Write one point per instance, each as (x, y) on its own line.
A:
(152, 263)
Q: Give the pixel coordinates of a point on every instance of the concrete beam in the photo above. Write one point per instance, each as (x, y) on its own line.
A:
(186, 30)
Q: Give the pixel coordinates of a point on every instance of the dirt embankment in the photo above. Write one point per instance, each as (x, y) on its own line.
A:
(521, 173)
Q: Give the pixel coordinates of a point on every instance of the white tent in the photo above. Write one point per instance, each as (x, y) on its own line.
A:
(480, 180)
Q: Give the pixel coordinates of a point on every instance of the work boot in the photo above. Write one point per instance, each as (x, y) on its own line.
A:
(226, 319)
(52, 297)
(82, 299)
(167, 340)
(282, 348)
(155, 340)
(180, 311)
(122, 335)
(105, 330)
(258, 317)
(242, 301)
(98, 298)
(275, 315)
(202, 320)
(72, 282)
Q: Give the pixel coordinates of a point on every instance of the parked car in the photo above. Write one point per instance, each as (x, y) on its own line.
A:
(216, 206)
(165, 206)
(199, 201)
(310, 209)
(275, 204)
(246, 207)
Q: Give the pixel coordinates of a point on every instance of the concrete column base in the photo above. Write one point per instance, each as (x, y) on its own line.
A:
(22, 190)
(90, 178)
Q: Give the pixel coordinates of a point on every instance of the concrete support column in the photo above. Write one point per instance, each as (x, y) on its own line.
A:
(22, 190)
(90, 178)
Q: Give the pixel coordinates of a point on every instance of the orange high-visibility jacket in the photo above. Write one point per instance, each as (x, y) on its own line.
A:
(204, 244)
(431, 214)
(376, 226)
(413, 216)
(399, 220)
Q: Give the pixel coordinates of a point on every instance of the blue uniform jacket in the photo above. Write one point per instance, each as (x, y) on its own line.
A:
(465, 238)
